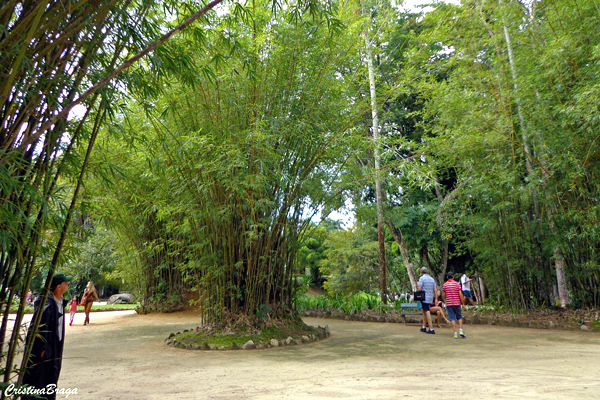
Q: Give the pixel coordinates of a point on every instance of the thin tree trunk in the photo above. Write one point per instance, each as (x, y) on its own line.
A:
(523, 123)
(440, 225)
(378, 187)
(558, 257)
(425, 256)
(397, 234)
(515, 77)
(559, 265)
(482, 289)
(559, 262)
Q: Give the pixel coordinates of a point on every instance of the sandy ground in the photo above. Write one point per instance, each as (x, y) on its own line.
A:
(122, 356)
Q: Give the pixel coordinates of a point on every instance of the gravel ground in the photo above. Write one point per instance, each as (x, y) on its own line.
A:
(122, 356)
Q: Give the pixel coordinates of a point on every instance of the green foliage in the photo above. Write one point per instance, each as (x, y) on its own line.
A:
(223, 141)
(351, 263)
(50, 57)
(519, 136)
(356, 303)
(93, 259)
(312, 251)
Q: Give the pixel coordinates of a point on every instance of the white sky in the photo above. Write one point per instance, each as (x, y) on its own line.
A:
(410, 5)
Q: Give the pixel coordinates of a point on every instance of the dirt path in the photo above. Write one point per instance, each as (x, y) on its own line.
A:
(122, 356)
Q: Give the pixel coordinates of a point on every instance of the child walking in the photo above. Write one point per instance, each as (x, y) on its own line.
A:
(73, 309)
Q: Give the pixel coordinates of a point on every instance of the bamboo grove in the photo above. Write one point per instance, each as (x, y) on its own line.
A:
(228, 173)
(516, 118)
(213, 150)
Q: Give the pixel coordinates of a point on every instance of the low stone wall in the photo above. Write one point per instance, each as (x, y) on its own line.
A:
(366, 316)
(564, 319)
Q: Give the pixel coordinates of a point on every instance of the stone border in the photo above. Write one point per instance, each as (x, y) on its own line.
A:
(370, 316)
(250, 345)
(476, 317)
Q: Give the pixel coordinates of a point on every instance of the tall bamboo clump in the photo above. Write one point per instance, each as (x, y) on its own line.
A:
(242, 158)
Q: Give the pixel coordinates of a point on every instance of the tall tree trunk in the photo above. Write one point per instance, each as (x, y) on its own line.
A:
(440, 225)
(559, 262)
(482, 289)
(522, 122)
(515, 77)
(378, 187)
(558, 258)
(559, 265)
(425, 256)
(397, 234)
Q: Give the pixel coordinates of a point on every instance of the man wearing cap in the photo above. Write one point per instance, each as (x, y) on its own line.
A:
(43, 367)
(427, 283)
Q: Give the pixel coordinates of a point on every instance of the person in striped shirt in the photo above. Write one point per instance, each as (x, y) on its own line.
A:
(427, 283)
(453, 294)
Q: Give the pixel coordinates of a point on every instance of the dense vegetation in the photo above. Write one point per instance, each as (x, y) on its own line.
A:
(214, 154)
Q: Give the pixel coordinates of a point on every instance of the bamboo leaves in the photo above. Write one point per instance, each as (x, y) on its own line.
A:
(505, 117)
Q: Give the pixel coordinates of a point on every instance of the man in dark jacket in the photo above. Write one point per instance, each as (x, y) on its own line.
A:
(43, 368)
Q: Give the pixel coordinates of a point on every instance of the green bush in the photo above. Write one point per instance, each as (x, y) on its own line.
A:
(357, 303)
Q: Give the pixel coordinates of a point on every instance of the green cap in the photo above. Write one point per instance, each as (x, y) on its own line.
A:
(60, 278)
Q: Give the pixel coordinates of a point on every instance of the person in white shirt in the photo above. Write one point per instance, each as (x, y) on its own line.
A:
(465, 281)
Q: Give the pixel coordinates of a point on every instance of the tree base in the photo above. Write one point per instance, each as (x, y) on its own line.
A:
(242, 333)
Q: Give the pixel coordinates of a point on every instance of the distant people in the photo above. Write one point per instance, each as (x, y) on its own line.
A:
(437, 308)
(427, 284)
(452, 291)
(73, 309)
(29, 298)
(43, 367)
(465, 281)
(87, 300)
